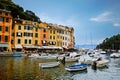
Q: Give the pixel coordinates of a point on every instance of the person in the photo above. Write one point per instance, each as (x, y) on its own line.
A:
(94, 65)
(63, 60)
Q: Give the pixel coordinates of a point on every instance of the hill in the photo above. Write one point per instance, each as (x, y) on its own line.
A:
(18, 11)
(110, 43)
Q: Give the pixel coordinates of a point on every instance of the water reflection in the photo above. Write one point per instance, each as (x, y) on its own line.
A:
(25, 68)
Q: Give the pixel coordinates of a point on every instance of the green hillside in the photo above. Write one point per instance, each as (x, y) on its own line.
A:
(111, 43)
(18, 11)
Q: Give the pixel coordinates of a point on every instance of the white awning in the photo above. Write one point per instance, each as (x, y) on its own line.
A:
(51, 47)
(32, 46)
(18, 46)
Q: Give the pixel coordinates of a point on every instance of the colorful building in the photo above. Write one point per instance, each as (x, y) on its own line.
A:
(21, 35)
(61, 36)
(24, 34)
(44, 34)
(52, 35)
(5, 30)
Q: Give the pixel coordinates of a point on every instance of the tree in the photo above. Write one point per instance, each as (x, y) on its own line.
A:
(110, 43)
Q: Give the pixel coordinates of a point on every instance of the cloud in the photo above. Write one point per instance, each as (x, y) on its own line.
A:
(107, 17)
(116, 24)
(71, 21)
(102, 17)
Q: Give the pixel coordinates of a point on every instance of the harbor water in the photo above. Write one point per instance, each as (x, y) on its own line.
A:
(25, 68)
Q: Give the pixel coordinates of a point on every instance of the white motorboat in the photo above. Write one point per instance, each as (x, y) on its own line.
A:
(85, 59)
(102, 63)
(43, 56)
(115, 55)
(69, 59)
(49, 64)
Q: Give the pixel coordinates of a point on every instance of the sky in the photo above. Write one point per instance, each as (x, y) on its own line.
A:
(92, 20)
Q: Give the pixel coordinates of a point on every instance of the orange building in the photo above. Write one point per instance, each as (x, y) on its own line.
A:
(5, 30)
(44, 34)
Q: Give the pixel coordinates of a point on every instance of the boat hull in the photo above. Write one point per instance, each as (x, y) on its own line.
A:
(49, 64)
(76, 67)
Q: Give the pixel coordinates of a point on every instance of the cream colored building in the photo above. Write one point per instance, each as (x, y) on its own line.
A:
(61, 36)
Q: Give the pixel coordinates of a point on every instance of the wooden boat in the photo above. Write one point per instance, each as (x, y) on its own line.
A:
(77, 67)
(49, 64)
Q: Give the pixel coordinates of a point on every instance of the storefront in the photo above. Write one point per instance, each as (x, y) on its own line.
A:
(3, 47)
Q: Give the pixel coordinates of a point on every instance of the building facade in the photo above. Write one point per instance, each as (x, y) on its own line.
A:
(18, 34)
(24, 34)
(5, 30)
(44, 34)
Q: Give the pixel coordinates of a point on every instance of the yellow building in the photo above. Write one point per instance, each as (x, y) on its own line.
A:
(62, 36)
(24, 34)
(52, 35)
(5, 30)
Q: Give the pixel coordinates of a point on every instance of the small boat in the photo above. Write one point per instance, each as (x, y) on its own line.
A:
(17, 55)
(43, 56)
(49, 64)
(115, 55)
(77, 67)
(102, 63)
(68, 59)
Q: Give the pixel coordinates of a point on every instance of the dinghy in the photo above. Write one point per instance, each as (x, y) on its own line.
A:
(49, 64)
(77, 67)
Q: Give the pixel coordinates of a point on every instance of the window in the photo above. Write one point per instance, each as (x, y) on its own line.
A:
(19, 34)
(13, 34)
(19, 41)
(44, 30)
(25, 41)
(19, 27)
(12, 27)
(63, 37)
(36, 42)
(1, 19)
(24, 27)
(6, 38)
(0, 38)
(51, 31)
(36, 34)
(53, 37)
(36, 29)
(0, 12)
(6, 14)
(6, 28)
(12, 42)
(50, 37)
(54, 32)
(44, 35)
(0, 28)
(7, 20)
(30, 41)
